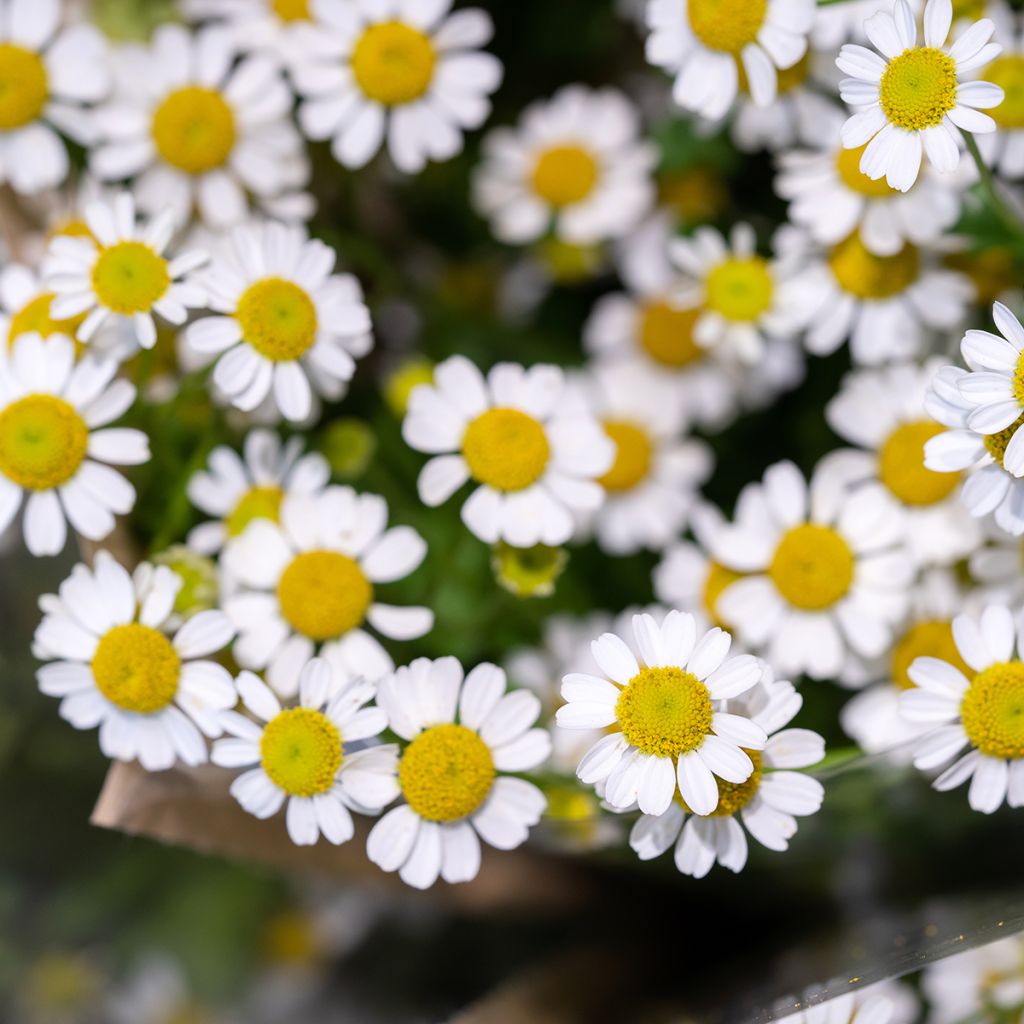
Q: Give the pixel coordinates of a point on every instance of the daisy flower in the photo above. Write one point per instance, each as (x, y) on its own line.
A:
(987, 980)
(307, 585)
(910, 100)
(238, 490)
(835, 24)
(120, 270)
(1003, 150)
(301, 755)
(25, 308)
(284, 324)
(267, 27)
(193, 130)
(50, 76)
(54, 443)
(708, 45)
(407, 72)
(576, 165)
(153, 697)
(766, 804)
(535, 461)
(463, 737)
(883, 413)
(825, 569)
(665, 715)
(982, 711)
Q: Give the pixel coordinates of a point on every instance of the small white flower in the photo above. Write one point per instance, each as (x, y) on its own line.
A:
(463, 737)
(154, 698)
(989, 977)
(1003, 150)
(301, 755)
(266, 27)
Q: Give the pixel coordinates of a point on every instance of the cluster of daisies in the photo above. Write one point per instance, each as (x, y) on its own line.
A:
(265, 642)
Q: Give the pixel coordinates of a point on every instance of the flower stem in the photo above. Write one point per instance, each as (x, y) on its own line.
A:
(993, 199)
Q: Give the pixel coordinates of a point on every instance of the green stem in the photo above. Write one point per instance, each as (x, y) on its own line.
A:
(993, 199)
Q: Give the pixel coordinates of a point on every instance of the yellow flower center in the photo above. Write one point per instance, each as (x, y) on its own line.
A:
(301, 751)
(992, 270)
(506, 449)
(129, 277)
(733, 796)
(996, 443)
(740, 289)
(901, 465)
(863, 274)
(567, 262)
(290, 937)
(726, 25)
(194, 129)
(446, 773)
(394, 63)
(715, 583)
(633, 454)
(918, 88)
(291, 10)
(993, 710)
(136, 668)
(42, 442)
(23, 86)
(528, 572)
(848, 168)
(73, 227)
(278, 319)
(932, 638)
(256, 503)
(1018, 380)
(666, 334)
(812, 567)
(324, 594)
(1008, 73)
(34, 318)
(400, 383)
(564, 175)
(664, 711)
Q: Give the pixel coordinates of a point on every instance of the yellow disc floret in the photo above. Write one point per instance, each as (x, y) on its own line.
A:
(931, 638)
(194, 129)
(812, 567)
(129, 277)
(740, 289)
(666, 334)
(863, 274)
(42, 442)
(901, 465)
(324, 594)
(995, 444)
(633, 453)
(1018, 380)
(291, 10)
(34, 318)
(564, 175)
(918, 88)
(301, 751)
(506, 449)
(992, 710)
(256, 503)
(733, 796)
(664, 711)
(393, 63)
(726, 25)
(1008, 73)
(278, 319)
(136, 668)
(23, 86)
(715, 583)
(850, 174)
(446, 773)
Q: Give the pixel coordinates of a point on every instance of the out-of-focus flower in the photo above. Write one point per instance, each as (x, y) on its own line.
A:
(528, 572)
(976, 982)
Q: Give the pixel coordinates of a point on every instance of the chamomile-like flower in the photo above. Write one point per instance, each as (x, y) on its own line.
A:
(55, 443)
(575, 165)
(767, 804)
(667, 726)
(1003, 150)
(406, 72)
(982, 711)
(825, 569)
(284, 324)
(534, 459)
(709, 44)
(463, 737)
(195, 131)
(120, 270)
(302, 755)
(153, 697)
(307, 585)
(259, 26)
(238, 490)
(25, 308)
(986, 980)
(910, 100)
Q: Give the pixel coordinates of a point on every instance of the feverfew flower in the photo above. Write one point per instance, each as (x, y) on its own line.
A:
(301, 755)
(912, 101)
(267, 27)
(154, 698)
(463, 737)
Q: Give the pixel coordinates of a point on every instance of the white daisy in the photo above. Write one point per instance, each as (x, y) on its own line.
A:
(258, 26)
(193, 130)
(307, 585)
(55, 443)
(302, 754)
(463, 737)
(285, 323)
(837, 23)
(706, 44)
(535, 460)
(25, 308)
(766, 804)
(238, 490)
(883, 413)
(1003, 150)
(120, 271)
(154, 698)
(826, 569)
(404, 71)
(985, 983)
(575, 165)
(983, 712)
(912, 101)
(49, 76)
(997, 566)
(664, 714)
